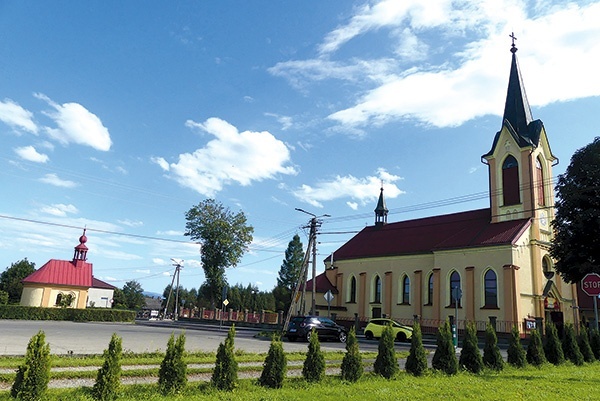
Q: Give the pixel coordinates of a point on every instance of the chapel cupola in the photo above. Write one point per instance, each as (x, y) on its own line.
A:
(381, 211)
(520, 161)
(81, 249)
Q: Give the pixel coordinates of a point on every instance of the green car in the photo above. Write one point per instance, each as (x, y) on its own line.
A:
(375, 328)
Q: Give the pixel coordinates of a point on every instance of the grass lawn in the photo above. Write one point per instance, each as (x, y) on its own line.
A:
(565, 382)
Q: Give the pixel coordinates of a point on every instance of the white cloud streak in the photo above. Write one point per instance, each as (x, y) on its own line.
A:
(53, 179)
(15, 116)
(76, 124)
(361, 190)
(231, 157)
(30, 154)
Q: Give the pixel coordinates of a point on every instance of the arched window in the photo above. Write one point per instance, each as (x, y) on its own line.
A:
(406, 290)
(377, 290)
(491, 289)
(510, 181)
(58, 299)
(454, 283)
(547, 268)
(430, 290)
(352, 290)
(539, 176)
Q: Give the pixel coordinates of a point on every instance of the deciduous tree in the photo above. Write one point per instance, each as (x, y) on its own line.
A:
(577, 220)
(10, 279)
(224, 236)
(133, 295)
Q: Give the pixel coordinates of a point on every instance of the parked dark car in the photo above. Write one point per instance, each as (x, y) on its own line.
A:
(327, 329)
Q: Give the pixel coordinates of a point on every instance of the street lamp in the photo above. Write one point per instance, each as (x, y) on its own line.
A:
(313, 240)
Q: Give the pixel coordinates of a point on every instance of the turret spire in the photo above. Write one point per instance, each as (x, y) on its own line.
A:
(381, 211)
(81, 249)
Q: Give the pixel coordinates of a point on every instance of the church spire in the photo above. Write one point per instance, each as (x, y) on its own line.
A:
(381, 211)
(516, 110)
(81, 249)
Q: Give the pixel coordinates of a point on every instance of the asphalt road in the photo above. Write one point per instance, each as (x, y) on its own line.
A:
(144, 336)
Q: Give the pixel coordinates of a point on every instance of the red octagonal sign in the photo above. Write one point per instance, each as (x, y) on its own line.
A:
(591, 284)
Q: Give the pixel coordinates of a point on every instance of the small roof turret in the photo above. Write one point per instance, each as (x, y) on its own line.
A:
(381, 211)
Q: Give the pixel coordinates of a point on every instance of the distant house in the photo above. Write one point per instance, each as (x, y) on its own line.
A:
(100, 295)
(66, 282)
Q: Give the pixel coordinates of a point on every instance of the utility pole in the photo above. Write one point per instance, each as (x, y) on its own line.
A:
(314, 223)
(178, 263)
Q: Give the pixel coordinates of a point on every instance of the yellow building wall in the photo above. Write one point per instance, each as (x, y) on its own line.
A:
(45, 296)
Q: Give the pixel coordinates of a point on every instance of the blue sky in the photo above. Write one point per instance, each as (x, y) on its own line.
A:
(120, 116)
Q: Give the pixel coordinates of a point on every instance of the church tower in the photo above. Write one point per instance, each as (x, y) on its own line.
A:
(381, 211)
(520, 161)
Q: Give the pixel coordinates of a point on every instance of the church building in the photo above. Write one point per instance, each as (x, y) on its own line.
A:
(495, 261)
(67, 283)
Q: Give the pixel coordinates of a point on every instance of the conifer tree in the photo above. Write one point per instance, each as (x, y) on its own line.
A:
(583, 340)
(535, 349)
(552, 346)
(275, 366)
(386, 363)
(31, 382)
(595, 342)
(491, 353)
(470, 357)
(172, 375)
(416, 362)
(570, 347)
(516, 353)
(225, 374)
(444, 358)
(313, 370)
(352, 365)
(108, 379)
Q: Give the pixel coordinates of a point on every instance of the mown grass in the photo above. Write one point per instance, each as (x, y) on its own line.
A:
(565, 382)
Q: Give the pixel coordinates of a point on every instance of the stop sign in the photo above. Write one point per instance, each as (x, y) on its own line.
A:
(591, 284)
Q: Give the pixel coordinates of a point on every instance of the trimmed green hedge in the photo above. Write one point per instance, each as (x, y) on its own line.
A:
(76, 315)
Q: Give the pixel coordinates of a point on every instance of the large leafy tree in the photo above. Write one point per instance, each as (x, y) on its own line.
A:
(224, 236)
(576, 244)
(289, 274)
(10, 279)
(133, 295)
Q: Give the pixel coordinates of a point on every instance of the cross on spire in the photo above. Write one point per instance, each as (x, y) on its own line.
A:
(513, 48)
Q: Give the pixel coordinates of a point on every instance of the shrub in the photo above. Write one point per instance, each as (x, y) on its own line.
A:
(444, 358)
(275, 365)
(386, 363)
(108, 380)
(570, 347)
(583, 341)
(516, 353)
(313, 370)
(31, 382)
(416, 363)
(172, 373)
(352, 365)
(225, 374)
(595, 342)
(491, 353)
(535, 349)
(552, 346)
(470, 357)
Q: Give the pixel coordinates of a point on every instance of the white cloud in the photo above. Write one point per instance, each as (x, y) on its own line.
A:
(59, 209)
(159, 261)
(161, 162)
(232, 157)
(173, 233)
(76, 124)
(53, 179)
(352, 205)
(131, 223)
(451, 60)
(361, 190)
(285, 121)
(30, 154)
(16, 116)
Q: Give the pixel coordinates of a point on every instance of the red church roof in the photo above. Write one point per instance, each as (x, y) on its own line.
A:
(72, 273)
(63, 272)
(426, 235)
(322, 284)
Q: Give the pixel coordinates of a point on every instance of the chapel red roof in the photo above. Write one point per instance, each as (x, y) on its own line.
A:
(426, 235)
(63, 272)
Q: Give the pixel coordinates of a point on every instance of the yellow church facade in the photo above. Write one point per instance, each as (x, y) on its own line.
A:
(495, 261)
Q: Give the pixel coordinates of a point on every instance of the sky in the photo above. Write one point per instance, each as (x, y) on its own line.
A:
(121, 116)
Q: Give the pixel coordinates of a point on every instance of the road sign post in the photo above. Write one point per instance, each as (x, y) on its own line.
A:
(590, 284)
(456, 296)
(328, 297)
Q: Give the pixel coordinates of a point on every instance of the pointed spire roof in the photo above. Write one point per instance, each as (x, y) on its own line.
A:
(516, 110)
(381, 211)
